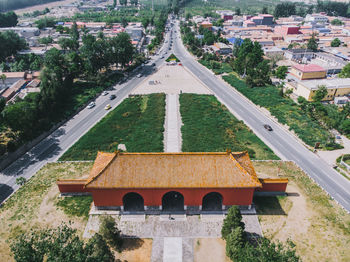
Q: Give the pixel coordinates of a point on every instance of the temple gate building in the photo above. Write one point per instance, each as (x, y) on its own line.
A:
(171, 181)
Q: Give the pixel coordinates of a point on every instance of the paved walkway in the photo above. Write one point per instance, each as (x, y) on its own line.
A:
(173, 239)
(171, 80)
(331, 156)
(172, 130)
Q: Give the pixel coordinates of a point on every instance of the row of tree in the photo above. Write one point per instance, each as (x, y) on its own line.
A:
(64, 244)
(6, 5)
(240, 249)
(91, 61)
(250, 64)
(8, 19)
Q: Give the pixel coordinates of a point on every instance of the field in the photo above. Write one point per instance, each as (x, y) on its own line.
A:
(284, 109)
(35, 205)
(199, 7)
(316, 224)
(137, 122)
(210, 127)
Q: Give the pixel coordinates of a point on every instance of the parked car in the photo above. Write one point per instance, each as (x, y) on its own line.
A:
(139, 75)
(104, 93)
(111, 97)
(107, 107)
(268, 127)
(154, 64)
(91, 105)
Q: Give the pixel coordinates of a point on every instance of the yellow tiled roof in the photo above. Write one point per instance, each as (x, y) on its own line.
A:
(172, 170)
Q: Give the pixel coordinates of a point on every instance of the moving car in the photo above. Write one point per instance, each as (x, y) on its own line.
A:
(139, 75)
(111, 97)
(154, 64)
(91, 105)
(268, 127)
(104, 93)
(107, 107)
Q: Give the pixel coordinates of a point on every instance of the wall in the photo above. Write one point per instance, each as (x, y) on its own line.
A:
(153, 196)
(71, 186)
(273, 185)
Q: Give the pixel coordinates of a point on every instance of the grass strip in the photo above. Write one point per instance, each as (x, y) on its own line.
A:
(210, 127)
(138, 122)
(284, 109)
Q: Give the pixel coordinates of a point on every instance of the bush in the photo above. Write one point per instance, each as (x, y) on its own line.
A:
(284, 109)
(232, 221)
(110, 232)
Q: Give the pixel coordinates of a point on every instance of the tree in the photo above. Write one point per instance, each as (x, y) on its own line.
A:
(74, 34)
(123, 2)
(110, 232)
(124, 22)
(122, 50)
(264, 10)
(285, 9)
(345, 72)
(45, 22)
(145, 22)
(60, 244)
(21, 181)
(345, 126)
(312, 43)
(8, 19)
(337, 22)
(45, 41)
(336, 42)
(3, 80)
(10, 44)
(232, 221)
(234, 243)
(188, 16)
(281, 72)
(320, 93)
(238, 11)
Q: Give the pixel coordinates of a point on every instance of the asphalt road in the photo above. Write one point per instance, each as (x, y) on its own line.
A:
(52, 147)
(282, 142)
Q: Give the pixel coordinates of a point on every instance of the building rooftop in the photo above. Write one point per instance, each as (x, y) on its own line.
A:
(329, 83)
(173, 170)
(309, 68)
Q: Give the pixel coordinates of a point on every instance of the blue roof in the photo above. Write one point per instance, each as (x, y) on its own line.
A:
(60, 23)
(235, 40)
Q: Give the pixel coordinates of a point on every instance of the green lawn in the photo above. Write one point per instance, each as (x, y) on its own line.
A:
(284, 109)
(138, 122)
(75, 206)
(210, 127)
(222, 67)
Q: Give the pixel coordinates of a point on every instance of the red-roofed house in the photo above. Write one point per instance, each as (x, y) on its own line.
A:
(287, 30)
(309, 71)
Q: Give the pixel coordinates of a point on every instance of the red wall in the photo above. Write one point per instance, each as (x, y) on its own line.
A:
(153, 197)
(273, 185)
(70, 186)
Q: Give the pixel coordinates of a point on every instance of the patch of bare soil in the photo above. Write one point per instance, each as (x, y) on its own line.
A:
(316, 224)
(210, 249)
(33, 8)
(135, 250)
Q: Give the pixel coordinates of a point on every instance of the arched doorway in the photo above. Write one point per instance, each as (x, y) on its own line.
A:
(173, 201)
(133, 202)
(212, 202)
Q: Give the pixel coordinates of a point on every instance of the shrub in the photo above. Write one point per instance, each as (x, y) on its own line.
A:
(110, 232)
(232, 221)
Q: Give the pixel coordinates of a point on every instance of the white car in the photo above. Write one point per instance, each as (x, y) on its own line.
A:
(139, 75)
(104, 93)
(91, 105)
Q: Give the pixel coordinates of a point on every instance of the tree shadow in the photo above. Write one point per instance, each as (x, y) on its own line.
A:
(132, 243)
(5, 191)
(269, 205)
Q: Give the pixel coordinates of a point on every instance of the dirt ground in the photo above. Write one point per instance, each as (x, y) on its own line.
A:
(210, 249)
(317, 225)
(33, 206)
(31, 9)
(136, 250)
